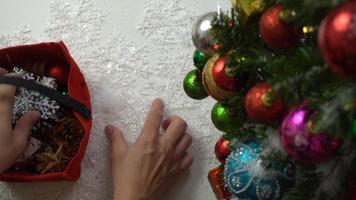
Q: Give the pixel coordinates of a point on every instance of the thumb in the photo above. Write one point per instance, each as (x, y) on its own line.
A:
(118, 142)
(3, 71)
(24, 127)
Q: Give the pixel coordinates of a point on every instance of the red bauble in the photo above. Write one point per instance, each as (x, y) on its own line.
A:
(218, 184)
(222, 150)
(276, 33)
(220, 85)
(262, 105)
(337, 39)
(58, 71)
(224, 81)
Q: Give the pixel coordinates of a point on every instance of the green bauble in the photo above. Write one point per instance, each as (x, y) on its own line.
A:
(223, 119)
(200, 59)
(193, 85)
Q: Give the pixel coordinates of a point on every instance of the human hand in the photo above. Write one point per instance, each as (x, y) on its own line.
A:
(12, 141)
(150, 166)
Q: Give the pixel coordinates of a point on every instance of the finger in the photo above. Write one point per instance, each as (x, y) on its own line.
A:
(175, 169)
(3, 71)
(182, 146)
(154, 119)
(175, 130)
(7, 93)
(118, 142)
(24, 127)
(166, 123)
(186, 162)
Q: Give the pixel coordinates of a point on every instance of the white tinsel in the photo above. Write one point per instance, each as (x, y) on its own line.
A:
(335, 172)
(27, 100)
(273, 144)
(255, 169)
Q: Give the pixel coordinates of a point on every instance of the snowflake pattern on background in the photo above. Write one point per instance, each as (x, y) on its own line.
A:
(28, 100)
(21, 36)
(167, 23)
(124, 75)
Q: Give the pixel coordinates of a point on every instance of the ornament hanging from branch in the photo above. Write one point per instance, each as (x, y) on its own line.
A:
(247, 178)
(303, 141)
(275, 32)
(337, 39)
(263, 105)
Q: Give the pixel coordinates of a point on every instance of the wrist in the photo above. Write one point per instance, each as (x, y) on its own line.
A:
(127, 195)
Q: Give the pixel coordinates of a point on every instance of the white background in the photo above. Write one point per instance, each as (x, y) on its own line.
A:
(130, 51)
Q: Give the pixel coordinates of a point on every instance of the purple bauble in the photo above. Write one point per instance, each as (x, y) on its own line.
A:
(303, 145)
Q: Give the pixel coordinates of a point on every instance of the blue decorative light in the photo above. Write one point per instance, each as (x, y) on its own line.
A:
(247, 179)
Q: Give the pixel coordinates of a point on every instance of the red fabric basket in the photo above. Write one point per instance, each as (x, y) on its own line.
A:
(77, 89)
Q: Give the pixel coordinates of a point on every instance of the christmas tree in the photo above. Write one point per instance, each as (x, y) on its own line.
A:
(283, 74)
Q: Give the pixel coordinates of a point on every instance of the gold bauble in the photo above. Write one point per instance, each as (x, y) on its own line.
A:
(210, 84)
(248, 7)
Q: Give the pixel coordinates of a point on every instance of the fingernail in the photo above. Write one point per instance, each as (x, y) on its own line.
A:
(164, 124)
(158, 100)
(109, 129)
(36, 114)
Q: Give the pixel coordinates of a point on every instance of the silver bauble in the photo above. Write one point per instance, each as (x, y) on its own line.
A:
(202, 36)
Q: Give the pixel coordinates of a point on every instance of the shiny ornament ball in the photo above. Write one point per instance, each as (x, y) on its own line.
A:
(276, 33)
(202, 35)
(246, 178)
(59, 72)
(302, 142)
(262, 105)
(218, 83)
(223, 118)
(217, 183)
(200, 59)
(337, 39)
(222, 150)
(193, 85)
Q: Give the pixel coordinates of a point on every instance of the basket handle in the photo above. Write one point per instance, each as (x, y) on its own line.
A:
(51, 93)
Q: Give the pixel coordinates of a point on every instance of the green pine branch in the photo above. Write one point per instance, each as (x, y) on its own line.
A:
(307, 184)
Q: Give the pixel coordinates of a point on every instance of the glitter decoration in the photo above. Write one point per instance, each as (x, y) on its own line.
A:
(248, 179)
(303, 143)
